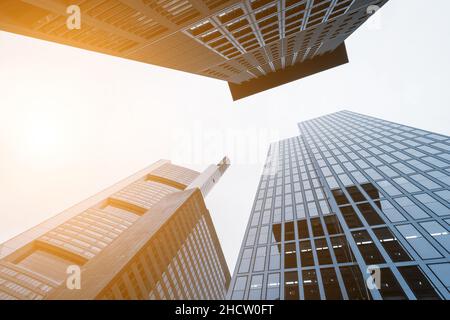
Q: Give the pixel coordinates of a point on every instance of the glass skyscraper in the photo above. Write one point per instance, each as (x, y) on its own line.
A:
(254, 45)
(353, 208)
(149, 236)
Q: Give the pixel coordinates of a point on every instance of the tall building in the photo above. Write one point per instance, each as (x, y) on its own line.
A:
(149, 236)
(254, 45)
(353, 208)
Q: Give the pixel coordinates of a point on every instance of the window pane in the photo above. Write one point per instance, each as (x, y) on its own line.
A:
(370, 189)
(275, 254)
(390, 289)
(418, 283)
(302, 228)
(255, 287)
(342, 250)
(411, 208)
(245, 261)
(350, 217)
(290, 256)
(310, 286)
(442, 271)
(273, 287)
(331, 284)
(291, 286)
(354, 283)
(391, 212)
(356, 195)
(340, 197)
(317, 227)
(438, 232)
(391, 245)
(306, 256)
(368, 249)
(276, 233)
(323, 252)
(370, 214)
(333, 225)
(239, 288)
(421, 245)
(289, 233)
(263, 234)
(260, 259)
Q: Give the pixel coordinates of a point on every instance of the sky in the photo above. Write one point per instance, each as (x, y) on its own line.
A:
(73, 122)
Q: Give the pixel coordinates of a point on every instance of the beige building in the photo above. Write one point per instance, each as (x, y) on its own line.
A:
(254, 45)
(149, 236)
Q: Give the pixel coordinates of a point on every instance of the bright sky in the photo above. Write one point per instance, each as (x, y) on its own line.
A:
(73, 122)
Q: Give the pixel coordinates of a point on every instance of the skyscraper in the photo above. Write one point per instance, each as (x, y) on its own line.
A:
(353, 208)
(149, 236)
(254, 45)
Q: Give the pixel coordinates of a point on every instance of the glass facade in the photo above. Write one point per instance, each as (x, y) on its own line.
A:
(149, 236)
(350, 194)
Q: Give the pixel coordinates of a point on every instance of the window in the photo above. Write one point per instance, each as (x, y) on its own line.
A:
(251, 237)
(290, 256)
(350, 217)
(391, 212)
(323, 252)
(442, 271)
(371, 190)
(245, 261)
(331, 284)
(405, 184)
(445, 195)
(291, 286)
(310, 286)
(276, 233)
(306, 256)
(273, 287)
(333, 225)
(356, 195)
(260, 259)
(390, 289)
(302, 228)
(263, 235)
(239, 288)
(342, 249)
(432, 204)
(275, 254)
(312, 209)
(389, 188)
(391, 244)
(354, 283)
(289, 233)
(424, 181)
(368, 249)
(438, 232)
(370, 214)
(411, 208)
(340, 197)
(418, 283)
(255, 287)
(316, 226)
(421, 245)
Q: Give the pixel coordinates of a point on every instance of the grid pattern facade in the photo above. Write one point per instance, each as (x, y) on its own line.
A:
(350, 192)
(229, 40)
(179, 262)
(184, 258)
